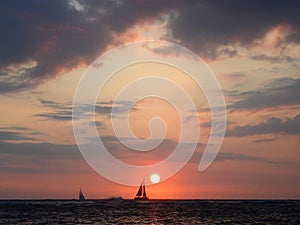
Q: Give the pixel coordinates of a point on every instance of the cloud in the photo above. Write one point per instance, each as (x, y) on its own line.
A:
(278, 92)
(44, 39)
(45, 32)
(119, 107)
(14, 128)
(13, 133)
(61, 115)
(55, 36)
(275, 59)
(40, 158)
(59, 111)
(238, 79)
(59, 158)
(265, 140)
(204, 26)
(12, 136)
(40, 150)
(168, 49)
(224, 156)
(135, 157)
(45, 158)
(271, 126)
(63, 111)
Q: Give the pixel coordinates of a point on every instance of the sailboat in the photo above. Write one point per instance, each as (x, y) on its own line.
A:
(141, 194)
(81, 196)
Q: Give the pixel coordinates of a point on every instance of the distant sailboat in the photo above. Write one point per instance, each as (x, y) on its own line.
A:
(81, 196)
(141, 194)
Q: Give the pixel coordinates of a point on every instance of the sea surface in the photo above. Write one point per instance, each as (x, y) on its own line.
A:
(152, 212)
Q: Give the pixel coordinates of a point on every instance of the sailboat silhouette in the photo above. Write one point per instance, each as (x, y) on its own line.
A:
(81, 196)
(141, 194)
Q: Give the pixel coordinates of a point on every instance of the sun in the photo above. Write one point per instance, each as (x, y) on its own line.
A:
(155, 178)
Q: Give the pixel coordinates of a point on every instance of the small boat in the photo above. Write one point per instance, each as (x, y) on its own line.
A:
(115, 198)
(141, 194)
(81, 196)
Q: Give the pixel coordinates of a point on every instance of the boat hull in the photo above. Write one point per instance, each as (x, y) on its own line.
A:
(141, 198)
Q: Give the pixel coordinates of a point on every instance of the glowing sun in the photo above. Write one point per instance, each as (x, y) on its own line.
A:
(155, 178)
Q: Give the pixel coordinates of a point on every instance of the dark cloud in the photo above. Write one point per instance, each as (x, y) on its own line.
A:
(241, 156)
(206, 25)
(236, 76)
(275, 59)
(42, 158)
(119, 107)
(50, 103)
(238, 79)
(13, 136)
(228, 52)
(167, 50)
(41, 150)
(16, 133)
(222, 156)
(271, 126)
(99, 124)
(265, 140)
(42, 39)
(63, 111)
(279, 92)
(46, 33)
(103, 109)
(45, 158)
(60, 115)
(14, 128)
(56, 36)
(162, 151)
(59, 111)
(232, 156)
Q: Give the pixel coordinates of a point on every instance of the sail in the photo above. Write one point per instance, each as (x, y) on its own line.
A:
(140, 191)
(144, 191)
(81, 196)
(141, 194)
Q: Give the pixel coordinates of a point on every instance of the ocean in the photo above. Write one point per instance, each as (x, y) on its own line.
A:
(152, 212)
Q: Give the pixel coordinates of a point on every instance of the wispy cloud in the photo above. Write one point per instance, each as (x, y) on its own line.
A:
(42, 158)
(12, 136)
(58, 111)
(224, 156)
(119, 107)
(61, 115)
(13, 133)
(278, 92)
(271, 126)
(275, 59)
(265, 140)
(63, 111)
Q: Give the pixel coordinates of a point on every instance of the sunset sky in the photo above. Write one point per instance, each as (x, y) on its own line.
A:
(252, 47)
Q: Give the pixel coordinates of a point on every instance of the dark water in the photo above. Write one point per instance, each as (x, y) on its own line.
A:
(152, 212)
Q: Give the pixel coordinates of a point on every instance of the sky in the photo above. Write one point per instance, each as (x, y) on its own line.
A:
(252, 47)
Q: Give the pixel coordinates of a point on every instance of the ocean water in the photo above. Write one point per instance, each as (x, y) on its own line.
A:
(152, 212)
